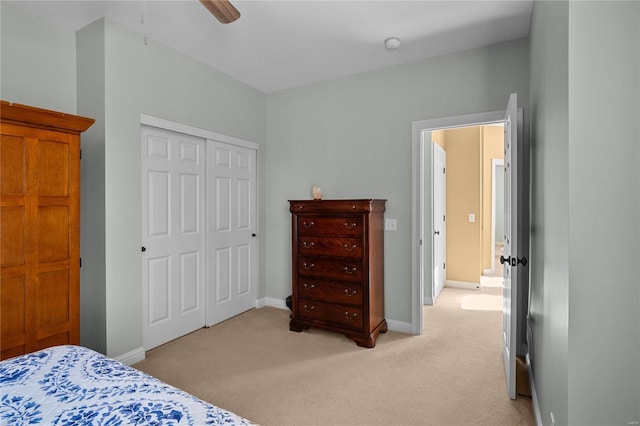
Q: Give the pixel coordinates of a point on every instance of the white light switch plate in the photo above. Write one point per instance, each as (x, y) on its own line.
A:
(472, 217)
(390, 225)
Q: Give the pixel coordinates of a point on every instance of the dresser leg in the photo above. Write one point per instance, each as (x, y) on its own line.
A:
(295, 326)
(368, 343)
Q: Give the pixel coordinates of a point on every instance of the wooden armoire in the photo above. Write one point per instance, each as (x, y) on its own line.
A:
(338, 267)
(39, 228)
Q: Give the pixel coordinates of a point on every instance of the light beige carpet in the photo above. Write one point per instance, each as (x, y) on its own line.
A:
(253, 365)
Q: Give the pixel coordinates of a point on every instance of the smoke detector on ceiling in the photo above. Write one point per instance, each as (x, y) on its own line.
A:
(392, 43)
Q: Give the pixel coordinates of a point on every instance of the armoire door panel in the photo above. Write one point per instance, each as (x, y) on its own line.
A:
(53, 168)
(52, 303)
(12, 307)
(53, 233)
(12, 165)
(57, 339)
(12, 220)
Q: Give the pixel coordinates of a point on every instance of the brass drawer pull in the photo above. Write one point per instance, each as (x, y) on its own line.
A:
(308, 245)
(350, 226)
(308, 224)
(350, 271)
(308, 308)
(350, 293)
(309, 286)
(350, 316)
(352, 248)
(308, 266)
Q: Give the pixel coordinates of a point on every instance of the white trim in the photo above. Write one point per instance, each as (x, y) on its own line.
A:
(465, 285)
(399, 326)
(495, 162)
(490, 271)
(132, 357)
(534, 396)
(195, 131)
(417, 170)
(428, 301)
(271, 302)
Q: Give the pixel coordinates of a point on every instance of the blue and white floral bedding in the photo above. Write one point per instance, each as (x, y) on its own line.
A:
(72, 385)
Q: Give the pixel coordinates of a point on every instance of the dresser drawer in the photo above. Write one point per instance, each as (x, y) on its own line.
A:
(330, 291)
(341, 226)
(347, 316)
(330, 246)
(342, 270)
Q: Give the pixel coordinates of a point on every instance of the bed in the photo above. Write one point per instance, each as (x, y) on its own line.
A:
(72, 385)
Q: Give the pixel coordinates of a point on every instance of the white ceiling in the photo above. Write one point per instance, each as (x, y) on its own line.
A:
(281, 44)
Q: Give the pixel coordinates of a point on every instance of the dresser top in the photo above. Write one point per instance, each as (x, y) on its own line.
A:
(342, 206)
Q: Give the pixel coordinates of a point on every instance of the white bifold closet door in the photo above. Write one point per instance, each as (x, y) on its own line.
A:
(199, 241)
(231, 231)
(173, 240)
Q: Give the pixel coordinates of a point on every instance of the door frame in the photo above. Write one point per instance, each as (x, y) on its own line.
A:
(422, 215)
(495, 163)
(209, 136)
(432, 300)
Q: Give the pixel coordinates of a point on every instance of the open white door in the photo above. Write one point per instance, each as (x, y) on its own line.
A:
(509, 258)
(439, 228)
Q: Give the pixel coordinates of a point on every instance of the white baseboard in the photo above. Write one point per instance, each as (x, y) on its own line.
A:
(428, 301)
(272, 302)
(489, 271)
(132, 357)
(465, 285)
(534, 396)
(399, 326)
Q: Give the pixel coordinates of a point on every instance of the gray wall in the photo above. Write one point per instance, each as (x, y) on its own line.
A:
(585, 122)
(158, 81)
(604, 207)
(352, 136)
(549, 272)
(38, 61)
(117, 79)
(91, 102)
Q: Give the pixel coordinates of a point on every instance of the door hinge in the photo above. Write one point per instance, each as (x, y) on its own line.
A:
(444, 170)
(81, 154)
(444, 218)
(444, 265)
(81, 262)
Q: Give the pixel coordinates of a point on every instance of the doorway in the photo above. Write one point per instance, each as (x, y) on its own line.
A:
(422, 254)
(465, 235)
(422, 220)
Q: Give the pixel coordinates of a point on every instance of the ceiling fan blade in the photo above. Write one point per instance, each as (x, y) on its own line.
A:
(224, 11)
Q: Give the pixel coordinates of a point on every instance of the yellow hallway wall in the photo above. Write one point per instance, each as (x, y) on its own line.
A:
(463, 197)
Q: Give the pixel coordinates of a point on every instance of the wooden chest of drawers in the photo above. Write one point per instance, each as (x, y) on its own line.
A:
(338, 267)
